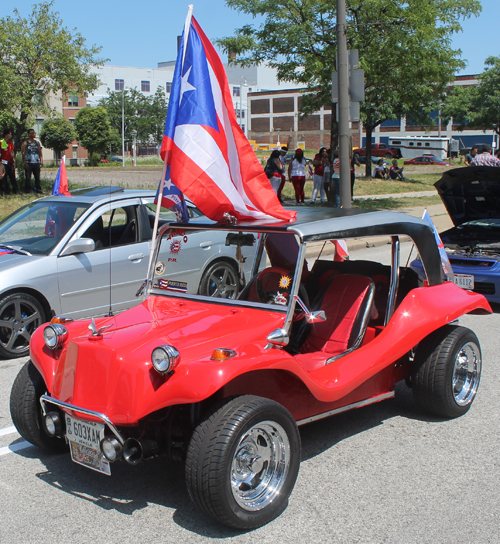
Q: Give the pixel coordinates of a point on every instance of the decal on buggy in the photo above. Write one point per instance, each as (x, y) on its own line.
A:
(281, 298)
(285, 282)
(160, 268)
(175, 246)
(171, 285)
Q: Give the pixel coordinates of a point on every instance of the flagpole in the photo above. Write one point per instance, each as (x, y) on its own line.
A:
(187, 26)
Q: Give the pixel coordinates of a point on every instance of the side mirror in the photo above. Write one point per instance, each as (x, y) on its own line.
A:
(80, 245)
(311, 317)
(278, 338)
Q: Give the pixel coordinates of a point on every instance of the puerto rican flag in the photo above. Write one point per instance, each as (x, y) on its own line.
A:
(341, 251)
(445, 261)
(208, 156)
(61, 182)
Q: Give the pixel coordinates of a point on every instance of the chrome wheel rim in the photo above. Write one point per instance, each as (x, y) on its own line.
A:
(18, 321)
(260, 465)
(466, 374)
(223, 283)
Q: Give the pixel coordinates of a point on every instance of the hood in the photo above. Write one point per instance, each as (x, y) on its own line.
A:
(13, 260)
(471, 193)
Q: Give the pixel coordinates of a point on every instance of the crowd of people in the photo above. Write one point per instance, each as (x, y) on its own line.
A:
(31, 150)
(482, 156)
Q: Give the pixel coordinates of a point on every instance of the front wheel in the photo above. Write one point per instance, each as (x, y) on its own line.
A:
(446, 372)
(242, 462)
(26, 411)
(220, 280)
(389, 156)
(20, 315)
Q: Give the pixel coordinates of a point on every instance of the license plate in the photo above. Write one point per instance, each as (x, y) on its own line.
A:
(466, 281)
(84, 439)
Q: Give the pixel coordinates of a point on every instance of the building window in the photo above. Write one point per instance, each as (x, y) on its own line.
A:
(38, 125)
(73, 100)
(119, 84)
(38, 97)
(236, 91)
(168, 87)
(72, 120)
(145, 87)
(243, 128)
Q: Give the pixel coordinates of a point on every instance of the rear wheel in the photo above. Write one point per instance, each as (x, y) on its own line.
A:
(220, 280)
(26, 411)
(447, 370)
(20, 315)
(242, 462)
(389, 156)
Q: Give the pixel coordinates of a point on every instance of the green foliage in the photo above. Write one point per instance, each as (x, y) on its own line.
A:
(93, 129)
(143, 114)
(57, 133)
(40, 57)
(404, 47)
(478, 107)
(7, 120)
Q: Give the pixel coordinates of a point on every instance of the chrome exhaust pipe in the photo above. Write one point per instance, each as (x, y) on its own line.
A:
(134, 451)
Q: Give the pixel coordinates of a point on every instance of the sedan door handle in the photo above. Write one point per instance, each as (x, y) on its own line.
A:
(136, 257)
(206, 244)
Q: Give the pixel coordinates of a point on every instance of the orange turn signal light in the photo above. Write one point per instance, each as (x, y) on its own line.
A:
(60, 320)
(222, 354)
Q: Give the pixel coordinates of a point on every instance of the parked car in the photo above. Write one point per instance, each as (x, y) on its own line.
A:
(378, 150)
(470, 195)
(223, 384)
(428, 159)
(87, 255)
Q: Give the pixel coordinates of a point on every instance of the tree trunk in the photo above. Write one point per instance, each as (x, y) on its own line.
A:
(368, 165)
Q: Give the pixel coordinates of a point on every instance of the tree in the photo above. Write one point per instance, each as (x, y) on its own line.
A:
(143, 114)
(93, 130)
(404, 46)
(57, 133)
(477, 106)
(39, 57)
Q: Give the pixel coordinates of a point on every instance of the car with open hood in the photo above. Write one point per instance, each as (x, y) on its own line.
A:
(222, 384)
(87, 255)
(471, 197)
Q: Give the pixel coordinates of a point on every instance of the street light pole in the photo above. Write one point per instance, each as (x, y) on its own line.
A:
(123, 126)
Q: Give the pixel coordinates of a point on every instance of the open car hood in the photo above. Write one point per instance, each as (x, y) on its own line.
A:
(470, 193)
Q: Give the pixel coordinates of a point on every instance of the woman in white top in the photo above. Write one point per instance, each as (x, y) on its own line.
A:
(297, 174)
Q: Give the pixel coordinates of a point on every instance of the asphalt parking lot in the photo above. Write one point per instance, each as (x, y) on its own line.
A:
(381, 474)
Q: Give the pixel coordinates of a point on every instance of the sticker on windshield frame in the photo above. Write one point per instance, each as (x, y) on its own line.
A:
(171, 285)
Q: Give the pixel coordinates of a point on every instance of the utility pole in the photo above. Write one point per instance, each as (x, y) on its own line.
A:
(344, 130)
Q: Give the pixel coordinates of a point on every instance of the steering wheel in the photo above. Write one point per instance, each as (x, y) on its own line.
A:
(276, 290)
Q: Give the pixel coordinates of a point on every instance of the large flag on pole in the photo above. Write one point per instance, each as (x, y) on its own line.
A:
(209, 158)
(445, 261)
(60, 186)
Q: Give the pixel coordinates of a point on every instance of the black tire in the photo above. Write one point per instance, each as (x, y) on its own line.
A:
(446, 371)
(225, 475)
(389, 156)
(356, 155)
(26, 411)
(20, 315)
(221, 280)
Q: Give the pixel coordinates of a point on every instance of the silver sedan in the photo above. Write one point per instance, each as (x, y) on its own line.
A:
(87, 255)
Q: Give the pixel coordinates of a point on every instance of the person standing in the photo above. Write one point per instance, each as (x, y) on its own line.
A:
(297, 174)
(283, 152)
(274, 170)
(318, 175)
(327, 174)
(485, 157)
(33, 161)
(8, 160)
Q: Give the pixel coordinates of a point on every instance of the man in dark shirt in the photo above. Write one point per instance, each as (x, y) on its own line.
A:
(471, 155)
(32, 157)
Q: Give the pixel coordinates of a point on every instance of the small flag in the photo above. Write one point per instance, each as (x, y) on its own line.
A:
(61, 182)
(445, 261)
(172, 198)
(6, 251)
(341, 251)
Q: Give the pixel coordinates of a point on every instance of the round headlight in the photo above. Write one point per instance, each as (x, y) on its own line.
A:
(52, 424)
(165, 358)
(54, 335)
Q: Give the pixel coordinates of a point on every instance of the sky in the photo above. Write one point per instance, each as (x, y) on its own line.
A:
(135, 34)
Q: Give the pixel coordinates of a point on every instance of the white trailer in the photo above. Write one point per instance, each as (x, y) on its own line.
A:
(414, 146)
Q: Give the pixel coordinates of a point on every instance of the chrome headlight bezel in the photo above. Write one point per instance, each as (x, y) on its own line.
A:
(54, 335)
(165, 359)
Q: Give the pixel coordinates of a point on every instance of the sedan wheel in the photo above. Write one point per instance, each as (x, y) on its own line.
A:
(20, 315)
(220, 280)
(242, 462)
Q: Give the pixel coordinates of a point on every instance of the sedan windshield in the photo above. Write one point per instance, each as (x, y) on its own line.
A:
(39, 226)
